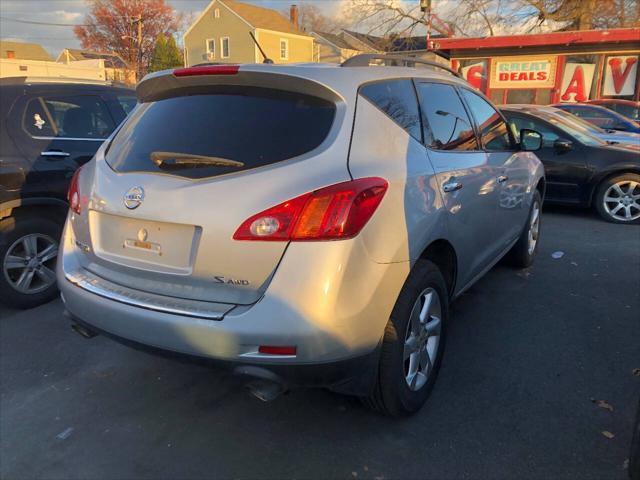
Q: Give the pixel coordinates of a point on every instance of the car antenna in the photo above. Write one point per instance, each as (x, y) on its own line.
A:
(266, 59)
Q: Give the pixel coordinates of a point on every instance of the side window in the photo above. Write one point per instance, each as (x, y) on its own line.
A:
(127, 103)
(224, 42)
(493, 130)
(211, 48)
(37, 121)
(449, 126)
(549, 136)
(396, 98)
(82, 116)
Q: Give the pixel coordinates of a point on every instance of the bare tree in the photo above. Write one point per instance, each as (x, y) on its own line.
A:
(403, 18)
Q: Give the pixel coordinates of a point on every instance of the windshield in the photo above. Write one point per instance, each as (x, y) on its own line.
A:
(580, 121)
(221, 131)
(569, 125)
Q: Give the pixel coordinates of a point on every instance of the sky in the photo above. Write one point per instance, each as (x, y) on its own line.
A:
(54, 39)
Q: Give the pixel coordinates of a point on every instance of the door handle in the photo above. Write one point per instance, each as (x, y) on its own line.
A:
(54, 153)
(451, 187)
(502, 178)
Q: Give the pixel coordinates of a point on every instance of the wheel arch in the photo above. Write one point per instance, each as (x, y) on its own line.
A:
(599, 180)
(443, 255)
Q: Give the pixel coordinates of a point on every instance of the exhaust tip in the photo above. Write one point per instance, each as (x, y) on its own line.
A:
(83, 331)
(265, 390)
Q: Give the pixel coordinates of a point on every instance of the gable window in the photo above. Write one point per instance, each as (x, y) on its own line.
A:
(216, 13)
(284, 49)
(211, 48)
(224, 47)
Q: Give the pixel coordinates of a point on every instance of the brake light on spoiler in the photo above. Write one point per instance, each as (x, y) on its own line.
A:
(206, 70)
(335, 212)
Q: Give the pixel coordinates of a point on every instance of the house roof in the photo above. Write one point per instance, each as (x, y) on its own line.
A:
(260, 17)
(24, 51)
(370, 40)
(336, 40)
(393, 44)
(111, 60)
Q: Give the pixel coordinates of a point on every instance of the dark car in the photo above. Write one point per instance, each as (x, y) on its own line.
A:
(600, 116)
(582, 169)
(628, 108)
(47, 130)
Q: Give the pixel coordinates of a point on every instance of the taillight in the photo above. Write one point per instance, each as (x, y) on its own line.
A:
(206, 70)
(336, 212)
(73, 195)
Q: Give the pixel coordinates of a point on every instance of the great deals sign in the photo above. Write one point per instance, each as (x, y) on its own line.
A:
(523, 72)
(620, 75)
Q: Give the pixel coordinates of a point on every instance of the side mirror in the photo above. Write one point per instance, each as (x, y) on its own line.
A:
(530, 140)
(562, 145)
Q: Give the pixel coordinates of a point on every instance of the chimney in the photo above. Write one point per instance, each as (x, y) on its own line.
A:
(293, 15)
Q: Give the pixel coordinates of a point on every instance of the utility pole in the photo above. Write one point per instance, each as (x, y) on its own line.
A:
(138, 20)
(425, 6)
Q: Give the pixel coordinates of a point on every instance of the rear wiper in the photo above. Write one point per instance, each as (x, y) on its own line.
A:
(180, 160)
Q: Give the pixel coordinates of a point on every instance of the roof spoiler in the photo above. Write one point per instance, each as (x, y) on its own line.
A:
(365, 59)
(187, 80)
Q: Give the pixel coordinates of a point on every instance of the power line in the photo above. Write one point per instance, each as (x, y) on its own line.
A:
(32, 22)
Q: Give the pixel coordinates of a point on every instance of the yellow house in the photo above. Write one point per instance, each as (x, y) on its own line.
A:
(221, 34)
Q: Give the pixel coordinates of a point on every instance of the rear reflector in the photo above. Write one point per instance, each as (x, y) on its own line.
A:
(206, 70)
(336, 212)
(273, 350)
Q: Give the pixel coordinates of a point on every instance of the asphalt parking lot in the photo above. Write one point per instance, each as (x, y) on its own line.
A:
(529, 355)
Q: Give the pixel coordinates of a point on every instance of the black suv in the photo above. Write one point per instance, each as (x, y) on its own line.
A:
(47, 130)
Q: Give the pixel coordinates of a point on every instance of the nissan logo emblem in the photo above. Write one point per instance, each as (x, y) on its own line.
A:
(134, 197)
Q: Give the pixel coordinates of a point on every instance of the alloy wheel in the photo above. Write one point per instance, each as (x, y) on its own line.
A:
(534, 228)
(422, 339)
(29, 264)
(622, 200)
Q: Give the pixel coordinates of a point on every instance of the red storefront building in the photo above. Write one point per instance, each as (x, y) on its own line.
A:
(551, 67)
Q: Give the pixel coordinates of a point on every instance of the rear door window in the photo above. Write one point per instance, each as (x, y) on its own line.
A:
(77, 117)
(224, 130)
(492, 129)
(448, 127)
(396, 98)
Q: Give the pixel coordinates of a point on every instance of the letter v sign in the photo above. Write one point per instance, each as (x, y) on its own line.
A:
(619, 78)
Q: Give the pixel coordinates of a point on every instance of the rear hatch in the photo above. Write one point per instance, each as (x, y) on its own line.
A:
(194, 160)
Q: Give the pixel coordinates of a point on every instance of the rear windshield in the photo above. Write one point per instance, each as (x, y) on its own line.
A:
(224, 131)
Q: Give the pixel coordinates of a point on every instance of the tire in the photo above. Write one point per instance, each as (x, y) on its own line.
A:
(42, 232)
(393, 395)
(617, 195)
(523, 253)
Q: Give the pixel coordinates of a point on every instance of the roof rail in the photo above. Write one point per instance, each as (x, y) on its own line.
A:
(364, 60)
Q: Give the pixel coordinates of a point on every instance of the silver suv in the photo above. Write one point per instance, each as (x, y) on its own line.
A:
(306, 225)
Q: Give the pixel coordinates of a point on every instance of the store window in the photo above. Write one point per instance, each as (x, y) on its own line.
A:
(474, 71)
(620, 76)
(580, 78)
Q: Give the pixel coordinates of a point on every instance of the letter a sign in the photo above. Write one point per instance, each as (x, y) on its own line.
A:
(576, 82)
(620, 76)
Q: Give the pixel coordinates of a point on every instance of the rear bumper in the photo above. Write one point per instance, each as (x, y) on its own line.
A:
(354, 376)
(330, 301)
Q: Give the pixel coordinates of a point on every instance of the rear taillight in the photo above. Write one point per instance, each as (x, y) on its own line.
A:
(336, 212)
(206, 70)
(73, 195)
